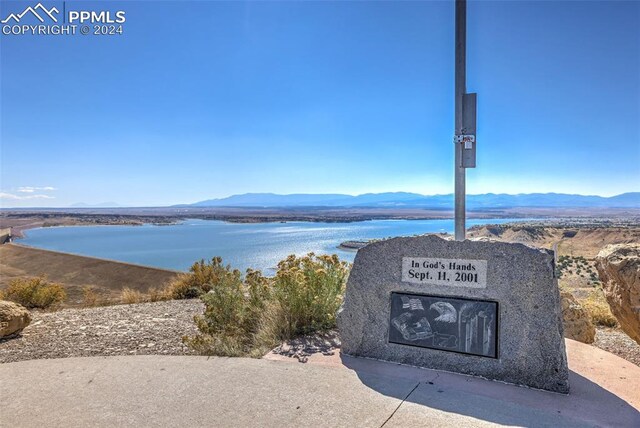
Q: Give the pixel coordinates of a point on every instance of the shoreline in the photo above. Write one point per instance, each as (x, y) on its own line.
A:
(495, 229)
(23, 231)
(19, 232)
(20, 220)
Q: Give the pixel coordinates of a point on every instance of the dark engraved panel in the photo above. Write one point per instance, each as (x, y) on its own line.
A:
(445, 323)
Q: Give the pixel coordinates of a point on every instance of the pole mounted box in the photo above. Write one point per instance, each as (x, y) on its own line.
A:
(468, 131)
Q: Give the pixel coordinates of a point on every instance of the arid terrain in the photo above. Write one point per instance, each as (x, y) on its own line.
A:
(576, 244)
(105, 277)
(570, 237)
(109, 330)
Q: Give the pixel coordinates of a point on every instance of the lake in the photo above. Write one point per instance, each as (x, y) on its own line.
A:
(257, 246)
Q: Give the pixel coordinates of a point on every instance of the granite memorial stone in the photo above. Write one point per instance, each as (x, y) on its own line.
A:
(488, 309)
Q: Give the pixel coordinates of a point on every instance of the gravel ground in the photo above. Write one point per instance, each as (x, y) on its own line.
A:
(158, 328)
(618, 343)
(148, 328)
(302, 348)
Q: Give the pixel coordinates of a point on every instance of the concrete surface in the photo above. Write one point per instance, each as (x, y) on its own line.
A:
(332, 391)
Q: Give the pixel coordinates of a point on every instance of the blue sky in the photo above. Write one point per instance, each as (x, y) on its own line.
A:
(198, 100)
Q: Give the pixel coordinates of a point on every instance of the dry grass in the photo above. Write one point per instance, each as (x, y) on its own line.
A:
(598, 308)
(130, 296)
(90, 298)
(156, 294)
(35, 292)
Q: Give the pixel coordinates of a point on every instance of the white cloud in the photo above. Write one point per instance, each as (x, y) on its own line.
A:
(11, 196)
(31, 189)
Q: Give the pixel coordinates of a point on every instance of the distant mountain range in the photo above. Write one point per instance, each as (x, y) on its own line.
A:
(415, 200)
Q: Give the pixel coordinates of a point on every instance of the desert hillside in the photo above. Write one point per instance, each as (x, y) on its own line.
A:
(107, 278)
(575, 241)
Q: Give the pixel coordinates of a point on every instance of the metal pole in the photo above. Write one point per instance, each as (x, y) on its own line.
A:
(460, 173)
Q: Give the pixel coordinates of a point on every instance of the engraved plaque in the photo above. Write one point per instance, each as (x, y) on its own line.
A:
(445, 323)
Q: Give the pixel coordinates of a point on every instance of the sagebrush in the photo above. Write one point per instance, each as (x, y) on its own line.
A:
(200, 279)
(35, 292)
(309, 290)
(247, 315)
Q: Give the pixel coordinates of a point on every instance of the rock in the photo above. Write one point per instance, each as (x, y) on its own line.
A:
(13, 318)
(576, 320)
(619, 270)
(516, 335)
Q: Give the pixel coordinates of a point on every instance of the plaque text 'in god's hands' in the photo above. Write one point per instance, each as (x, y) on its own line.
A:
(447, 272)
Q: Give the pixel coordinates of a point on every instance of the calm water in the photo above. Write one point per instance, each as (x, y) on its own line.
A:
(259, 246)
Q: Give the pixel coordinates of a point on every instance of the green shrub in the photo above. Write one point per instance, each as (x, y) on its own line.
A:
(200, 279)
(232, 316)
(181, 288)
(35, 292)
(248, 316)
(310, 290)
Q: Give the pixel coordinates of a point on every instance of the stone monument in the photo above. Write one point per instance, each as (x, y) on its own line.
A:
(487, 309)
